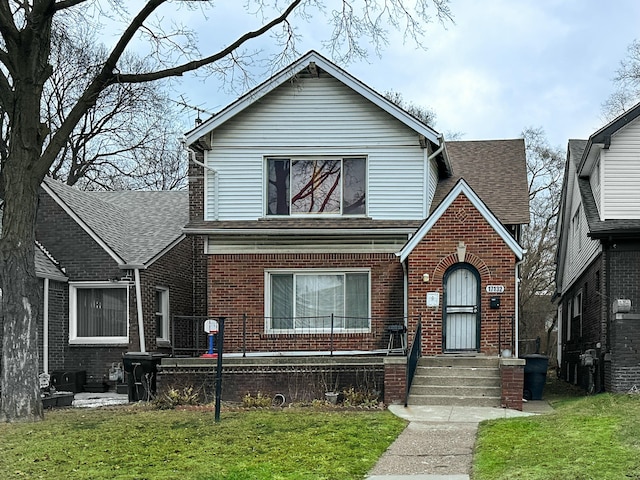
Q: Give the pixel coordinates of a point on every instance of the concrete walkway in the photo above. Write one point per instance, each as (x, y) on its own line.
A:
(438, 442)
(99, 399)
(436, 445)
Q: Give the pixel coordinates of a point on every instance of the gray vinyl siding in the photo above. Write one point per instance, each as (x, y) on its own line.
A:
(596, 181)
(315, 116)
(621, 195)
(580, 248)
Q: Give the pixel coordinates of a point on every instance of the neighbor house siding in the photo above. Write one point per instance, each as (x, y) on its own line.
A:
(595, 180)
(624, 282)
(622, 174)
(586, 331)
(173, 271)
(315, 116)
(83, 259)
(580, 248)
(58, 325)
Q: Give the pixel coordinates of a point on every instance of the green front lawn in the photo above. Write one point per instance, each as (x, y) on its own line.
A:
(135, 443)
(594, 437)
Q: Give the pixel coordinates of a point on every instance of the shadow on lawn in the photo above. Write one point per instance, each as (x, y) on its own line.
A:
(557, 390)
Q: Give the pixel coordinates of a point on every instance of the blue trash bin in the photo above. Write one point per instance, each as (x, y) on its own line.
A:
(535, 376)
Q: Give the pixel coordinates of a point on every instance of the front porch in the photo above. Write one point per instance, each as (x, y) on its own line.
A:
(304, 367)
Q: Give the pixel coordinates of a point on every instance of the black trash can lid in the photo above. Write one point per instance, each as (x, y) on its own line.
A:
(135, 354)
(535, 355)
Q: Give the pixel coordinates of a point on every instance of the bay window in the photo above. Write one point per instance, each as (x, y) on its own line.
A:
(306, 301)
(98, 313)
(299, 186)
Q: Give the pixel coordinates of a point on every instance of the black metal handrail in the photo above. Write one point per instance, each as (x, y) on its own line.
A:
(412, 359)
(188, 337)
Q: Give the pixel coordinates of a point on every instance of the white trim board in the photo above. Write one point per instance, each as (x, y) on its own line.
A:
(286, 74)
(463, 188)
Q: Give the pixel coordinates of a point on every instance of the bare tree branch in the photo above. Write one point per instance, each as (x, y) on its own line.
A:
(64, 4)
(195, 64)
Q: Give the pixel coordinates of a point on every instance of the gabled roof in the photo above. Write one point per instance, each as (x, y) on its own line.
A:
(602, 137)
(497, 172)
(47, 266)
(618, 228)
(580, 155)
(317, 61)
(133, 227)
(461, 188)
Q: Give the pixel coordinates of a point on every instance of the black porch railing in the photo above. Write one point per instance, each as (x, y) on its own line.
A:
(412, 359)
(328, 334)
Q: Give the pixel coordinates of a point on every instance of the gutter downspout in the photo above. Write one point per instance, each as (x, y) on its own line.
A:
(427, 168)
(45, 329)
(139, 305)
(192, 157)
(438, 151)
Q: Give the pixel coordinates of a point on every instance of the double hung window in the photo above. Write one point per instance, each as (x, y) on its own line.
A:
(98, 313)
(305, 186)
(302, 302)
(162, 314)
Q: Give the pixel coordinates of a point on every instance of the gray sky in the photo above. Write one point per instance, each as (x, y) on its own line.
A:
(504, 65)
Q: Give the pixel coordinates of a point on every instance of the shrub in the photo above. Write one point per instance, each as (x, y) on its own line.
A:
(175, 397)
(360, 398)
(259, 401)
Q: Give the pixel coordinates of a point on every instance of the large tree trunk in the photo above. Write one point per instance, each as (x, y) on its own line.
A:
(20, 397)
(22, 172)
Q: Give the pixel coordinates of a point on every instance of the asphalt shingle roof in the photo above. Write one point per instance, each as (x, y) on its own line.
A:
(46, 266)
(496, 170)
(135, 225)
(599, 228)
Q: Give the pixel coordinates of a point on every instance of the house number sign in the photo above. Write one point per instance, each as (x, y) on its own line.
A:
(495, 288)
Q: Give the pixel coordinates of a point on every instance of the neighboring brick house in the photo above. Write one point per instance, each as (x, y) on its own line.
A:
(598, 259)
(127, 268)
(54, 308)
(325, 216)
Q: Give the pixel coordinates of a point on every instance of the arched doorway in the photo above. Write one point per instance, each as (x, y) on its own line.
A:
(461, 322)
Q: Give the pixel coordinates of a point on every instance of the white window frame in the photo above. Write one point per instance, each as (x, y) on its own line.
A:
(577, 228)
(577, 310)
(164, 300)
(293, 158)
(312, 271)
(74, 339)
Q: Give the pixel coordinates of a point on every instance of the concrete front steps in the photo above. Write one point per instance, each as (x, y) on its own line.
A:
(457, 380)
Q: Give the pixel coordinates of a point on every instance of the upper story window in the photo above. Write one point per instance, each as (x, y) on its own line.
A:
(98, 313)
(576, 229)
(316, 186)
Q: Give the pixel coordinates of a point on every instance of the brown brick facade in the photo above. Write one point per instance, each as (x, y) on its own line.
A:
(512, 377)
(85, 260)
(236, 287)
(486, 252)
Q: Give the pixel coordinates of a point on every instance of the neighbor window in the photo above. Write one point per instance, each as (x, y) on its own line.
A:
(98, 313)
(576, 320)
(298, 186)
(162, 314)
(576, 230)
(300, 302)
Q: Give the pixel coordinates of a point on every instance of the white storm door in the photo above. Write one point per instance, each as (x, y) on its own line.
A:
(461, 311)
